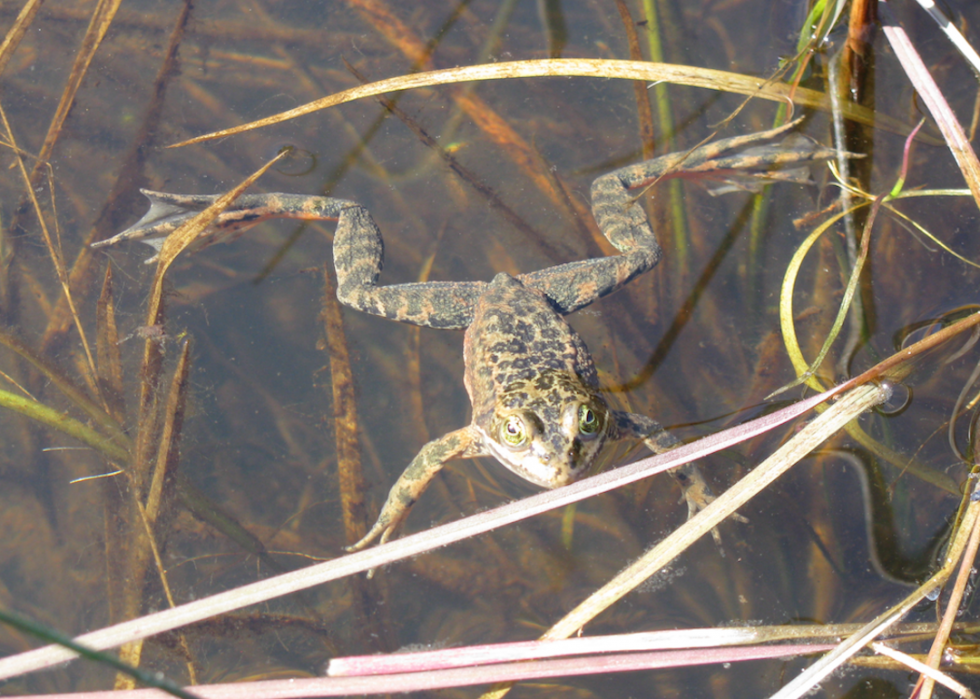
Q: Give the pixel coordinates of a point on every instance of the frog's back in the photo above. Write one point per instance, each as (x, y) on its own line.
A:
(517, 337)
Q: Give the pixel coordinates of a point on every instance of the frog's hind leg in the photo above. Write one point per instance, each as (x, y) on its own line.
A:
(575, 285)
(625, 425)
(697, 492)
(624, 223)
(358, 256)
(358, 251)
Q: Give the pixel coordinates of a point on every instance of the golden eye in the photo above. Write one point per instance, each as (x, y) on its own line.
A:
(513, 431)
(588, 421)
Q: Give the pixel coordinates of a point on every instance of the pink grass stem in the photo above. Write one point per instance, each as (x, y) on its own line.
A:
(462, 677)
(468, 656)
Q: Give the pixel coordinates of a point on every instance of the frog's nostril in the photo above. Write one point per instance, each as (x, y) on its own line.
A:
(541, 453)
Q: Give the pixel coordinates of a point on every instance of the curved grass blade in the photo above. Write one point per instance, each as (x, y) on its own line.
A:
(691, 76)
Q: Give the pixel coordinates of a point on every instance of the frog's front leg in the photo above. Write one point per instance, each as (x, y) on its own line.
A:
(624, 425)
(465, 442)
(358, 251)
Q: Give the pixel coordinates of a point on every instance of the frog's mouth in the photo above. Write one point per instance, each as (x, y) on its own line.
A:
(536, 466)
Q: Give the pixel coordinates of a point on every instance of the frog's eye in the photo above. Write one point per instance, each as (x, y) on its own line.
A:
(513, 431)
(588, 421)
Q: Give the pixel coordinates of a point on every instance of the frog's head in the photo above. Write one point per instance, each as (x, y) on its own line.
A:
(548, 430)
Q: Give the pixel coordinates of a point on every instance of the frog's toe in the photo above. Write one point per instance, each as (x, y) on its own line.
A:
(696, 499)
(696, 492)
(379, 529)
(699, 498)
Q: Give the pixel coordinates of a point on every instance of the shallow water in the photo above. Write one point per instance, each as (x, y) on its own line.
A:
(693, 342)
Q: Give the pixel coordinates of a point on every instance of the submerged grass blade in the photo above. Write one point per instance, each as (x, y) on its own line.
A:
(130, 172)
(644, 113)
(371, 619)
(153, 516)
(54, 250)
(107, 350)
(17, 31)
(677, 236)
(159, 509)
(209, 512)
(150, 679)
(159, 500)
(61, 422)
(68, 388)
(102, 16)
(346, 430)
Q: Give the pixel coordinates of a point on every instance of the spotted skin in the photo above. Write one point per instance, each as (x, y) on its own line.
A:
(524, 362)
(530, 378)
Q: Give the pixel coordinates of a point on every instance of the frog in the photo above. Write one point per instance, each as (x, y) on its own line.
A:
(537, 407)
